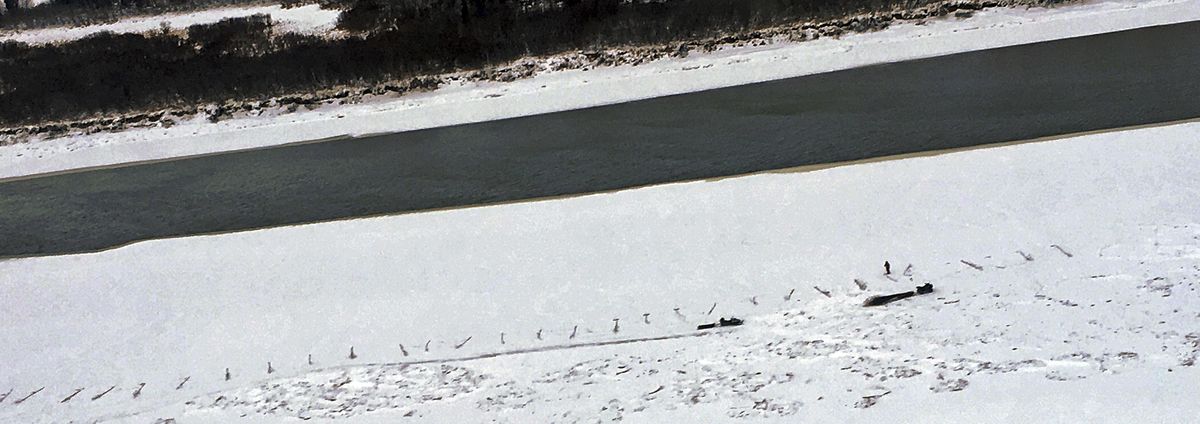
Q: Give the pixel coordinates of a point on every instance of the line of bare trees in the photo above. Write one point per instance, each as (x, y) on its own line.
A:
(242, 59)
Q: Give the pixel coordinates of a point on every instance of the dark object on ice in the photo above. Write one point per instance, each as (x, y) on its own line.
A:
(887, 268)
(721, 323)
(889, 298)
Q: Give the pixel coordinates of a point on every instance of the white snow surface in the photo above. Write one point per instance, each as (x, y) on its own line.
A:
(308, 19)
(556, 91)
(1066, 276)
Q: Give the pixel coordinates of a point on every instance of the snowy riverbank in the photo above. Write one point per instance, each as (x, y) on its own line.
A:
(554, 91)
(307, 19)
(1067, 275)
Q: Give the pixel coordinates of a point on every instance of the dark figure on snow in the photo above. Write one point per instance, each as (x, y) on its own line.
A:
(887, 268)
(731, 322)
(880, 300)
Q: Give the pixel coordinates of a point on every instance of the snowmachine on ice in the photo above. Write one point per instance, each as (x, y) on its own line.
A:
(889, 298)
(731, 322)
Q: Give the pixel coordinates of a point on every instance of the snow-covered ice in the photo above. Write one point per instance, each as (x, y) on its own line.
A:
(555, 91)
(1066, 275)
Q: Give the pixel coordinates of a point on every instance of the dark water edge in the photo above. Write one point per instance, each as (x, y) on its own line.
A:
(1104, 81)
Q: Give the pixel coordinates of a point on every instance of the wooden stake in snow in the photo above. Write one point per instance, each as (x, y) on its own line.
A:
(310, 359)
(789, 295)
(713, 308)
(104, 392)
(573, 331)
(616, 325)
(181, 383)
(18, 401)
(352, 355)
(464, 343)
(972, 265)
(427, 345)
(270, 369)
(138, 391)
(501, 337)
(646, 318)
(1063, 251)
(822, 291)
(403, 350)
(227, 375)
(71, 395)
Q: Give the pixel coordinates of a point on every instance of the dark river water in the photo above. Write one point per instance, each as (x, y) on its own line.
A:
(1105, 81)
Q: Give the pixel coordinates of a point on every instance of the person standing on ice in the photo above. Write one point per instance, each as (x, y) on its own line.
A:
(887, 268)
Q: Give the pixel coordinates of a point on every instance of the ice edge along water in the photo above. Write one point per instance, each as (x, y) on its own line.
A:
(556, 91)
(1067, 276)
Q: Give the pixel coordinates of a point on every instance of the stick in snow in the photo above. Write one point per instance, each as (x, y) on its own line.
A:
(181, 383)
(573, 330)
(310, 359)
(227, 375)
(18, 401)
(659, 389)
(405, 351)
(427, 345)
(1027, 256)
(104, 393)
(972, 265)
(869, 401)
(1060, 249)
(270, 369)
(5, 395)
(789, 295)
(352, 355)
(138, 392)
(501, 337)
(616, 325)
(646, 318)
(71, 395)
(822, 291)
(713, 308)
(862, 285)
(464, 343)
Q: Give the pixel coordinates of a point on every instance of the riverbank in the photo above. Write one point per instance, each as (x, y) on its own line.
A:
(465, 102)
